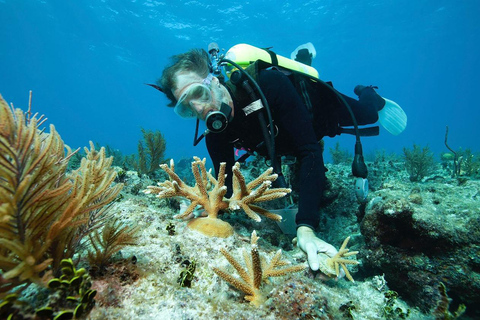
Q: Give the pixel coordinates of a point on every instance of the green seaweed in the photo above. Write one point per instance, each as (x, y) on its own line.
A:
(188, 274)
(170, 229)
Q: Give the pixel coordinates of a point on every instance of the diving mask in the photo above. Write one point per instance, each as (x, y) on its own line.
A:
(195, 99)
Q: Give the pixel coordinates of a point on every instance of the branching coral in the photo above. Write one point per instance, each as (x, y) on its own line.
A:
(257, 270)
(209, 193)
(331, 266)
(44, 212)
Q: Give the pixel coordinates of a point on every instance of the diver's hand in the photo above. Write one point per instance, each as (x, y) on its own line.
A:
(311, 245)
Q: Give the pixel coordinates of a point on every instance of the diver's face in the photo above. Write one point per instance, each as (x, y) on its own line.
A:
(196, 96)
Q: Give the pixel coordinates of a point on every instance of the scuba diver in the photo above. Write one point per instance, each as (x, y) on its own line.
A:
(283, 94)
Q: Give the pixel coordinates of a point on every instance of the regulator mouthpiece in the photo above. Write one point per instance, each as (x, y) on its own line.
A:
(217, 120)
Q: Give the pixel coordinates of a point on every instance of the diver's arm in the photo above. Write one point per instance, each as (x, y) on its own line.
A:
(221, 150)
(293, 119)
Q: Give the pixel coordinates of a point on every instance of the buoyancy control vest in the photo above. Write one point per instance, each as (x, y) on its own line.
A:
(305, 78)
(321, 102)
(319, 97)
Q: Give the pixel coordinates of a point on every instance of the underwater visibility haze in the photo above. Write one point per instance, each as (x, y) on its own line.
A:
(87, 64)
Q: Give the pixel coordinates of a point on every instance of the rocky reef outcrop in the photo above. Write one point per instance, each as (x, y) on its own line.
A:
(421, 234)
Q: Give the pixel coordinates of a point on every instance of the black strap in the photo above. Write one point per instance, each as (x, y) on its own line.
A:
(305, 95)
(273, 56)
(364, 132)
(244, 157)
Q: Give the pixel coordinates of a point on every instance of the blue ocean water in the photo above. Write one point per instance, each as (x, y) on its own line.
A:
(87, 61)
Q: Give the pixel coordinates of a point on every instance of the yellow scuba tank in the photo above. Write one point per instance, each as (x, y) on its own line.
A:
(245, 54)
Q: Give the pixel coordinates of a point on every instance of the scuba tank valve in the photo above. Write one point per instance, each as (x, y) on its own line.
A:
(213, 50)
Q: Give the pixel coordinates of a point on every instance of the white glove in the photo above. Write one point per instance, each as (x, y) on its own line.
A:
(311, 245)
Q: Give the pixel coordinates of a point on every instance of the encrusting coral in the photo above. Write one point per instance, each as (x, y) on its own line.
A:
(45, 212)
(257, 270)
(209, 193)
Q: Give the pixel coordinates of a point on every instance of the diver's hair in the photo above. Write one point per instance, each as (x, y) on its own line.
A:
(195, 60)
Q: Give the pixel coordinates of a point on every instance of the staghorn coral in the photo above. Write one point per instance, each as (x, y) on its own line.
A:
(257, 270)
(331, 266)
(45, 212)
(209, 194)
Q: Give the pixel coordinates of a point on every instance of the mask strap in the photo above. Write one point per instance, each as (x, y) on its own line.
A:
(208, 80)
(196, 139)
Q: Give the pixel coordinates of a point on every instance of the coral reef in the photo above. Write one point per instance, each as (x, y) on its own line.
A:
(415, 241)
(163, 261)
(258, 270)
(161, 258)
(418, 162)
(209, 193)
(425, 235)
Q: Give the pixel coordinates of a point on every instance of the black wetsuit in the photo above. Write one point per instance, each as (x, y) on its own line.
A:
(299, 131)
